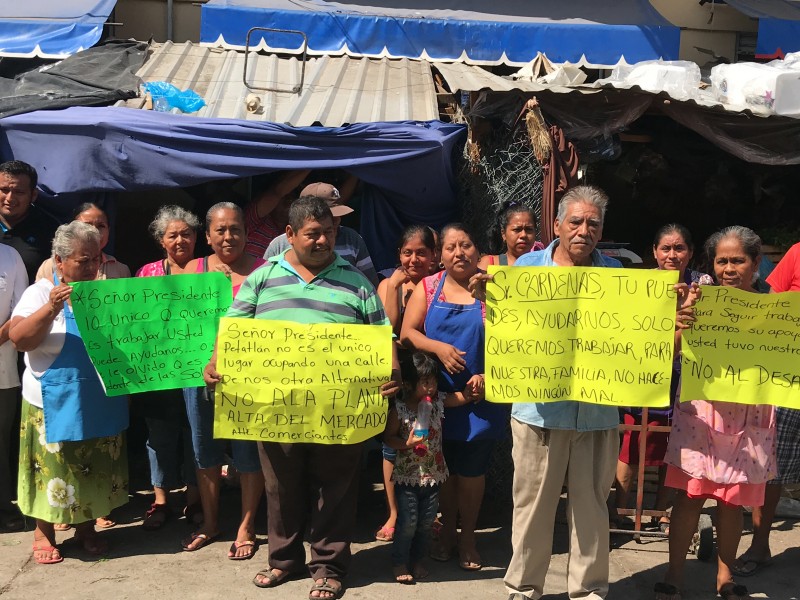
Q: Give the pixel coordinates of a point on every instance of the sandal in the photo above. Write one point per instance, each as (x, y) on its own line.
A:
(203, 538)
(62, 526)
(385, 534)
(401, 575)
(747, 567)
(336, 592)
(251, 544)
(469, 565)
(52, 554)
(467, 562)
(156, 517)
(104, 523)
(272, 580)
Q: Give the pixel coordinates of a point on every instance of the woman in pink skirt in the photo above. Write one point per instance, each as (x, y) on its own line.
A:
(719, 450)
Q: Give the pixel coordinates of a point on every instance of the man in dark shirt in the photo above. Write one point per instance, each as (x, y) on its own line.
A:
(25, 228)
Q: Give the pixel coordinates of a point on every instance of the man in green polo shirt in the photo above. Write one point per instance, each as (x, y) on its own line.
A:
(309, 283)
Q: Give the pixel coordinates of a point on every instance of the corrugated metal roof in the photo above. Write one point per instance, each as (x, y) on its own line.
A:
(471, 78)
(459, 76)
(336, 90)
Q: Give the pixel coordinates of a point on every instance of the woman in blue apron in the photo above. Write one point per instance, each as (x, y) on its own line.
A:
(72, 433)
(444, 319)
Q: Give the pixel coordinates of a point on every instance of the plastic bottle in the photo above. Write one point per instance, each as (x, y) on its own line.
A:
(423, 422)
(161, 104)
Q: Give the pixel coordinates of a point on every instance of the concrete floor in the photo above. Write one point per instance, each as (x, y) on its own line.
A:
(145, 564)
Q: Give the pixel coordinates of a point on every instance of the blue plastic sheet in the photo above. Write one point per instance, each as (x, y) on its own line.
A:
(777, 37)
(166, 97)
(407, 167)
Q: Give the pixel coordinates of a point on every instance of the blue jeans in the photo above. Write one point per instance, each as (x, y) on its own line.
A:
(416, 511)
(164, 438)
(208, 451)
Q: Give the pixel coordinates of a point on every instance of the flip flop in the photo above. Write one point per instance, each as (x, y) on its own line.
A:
(49, 549)
(401, 575)
(274, 580)
(385, 534)
(62, 526)
(336, 592)
(104, 523)
(236, 545)
(467, 564)
(204, 541)
(747, 567)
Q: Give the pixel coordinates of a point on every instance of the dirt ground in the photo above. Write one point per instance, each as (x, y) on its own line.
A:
(145, 564)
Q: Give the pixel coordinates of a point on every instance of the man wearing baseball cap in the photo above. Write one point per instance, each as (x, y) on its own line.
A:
(349, 245)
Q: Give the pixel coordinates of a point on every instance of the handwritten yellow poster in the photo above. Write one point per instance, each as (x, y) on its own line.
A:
(290, 382)
(744, 348)
(598, 335)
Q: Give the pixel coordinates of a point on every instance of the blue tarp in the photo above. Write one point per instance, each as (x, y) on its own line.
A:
(777, 37)
(778, 25)
(767, 9)
(51, 28)
(407, 166)
(565, 30)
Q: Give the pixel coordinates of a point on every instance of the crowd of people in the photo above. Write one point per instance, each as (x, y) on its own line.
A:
(288, 257)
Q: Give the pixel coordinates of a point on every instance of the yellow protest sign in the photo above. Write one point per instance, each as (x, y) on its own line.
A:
(744, 348)
(598, 335)
(291, 382)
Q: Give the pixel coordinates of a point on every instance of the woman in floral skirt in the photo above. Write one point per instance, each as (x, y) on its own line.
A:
(73, 466)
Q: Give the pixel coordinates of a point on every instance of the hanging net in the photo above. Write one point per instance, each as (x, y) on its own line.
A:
(499, 166)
